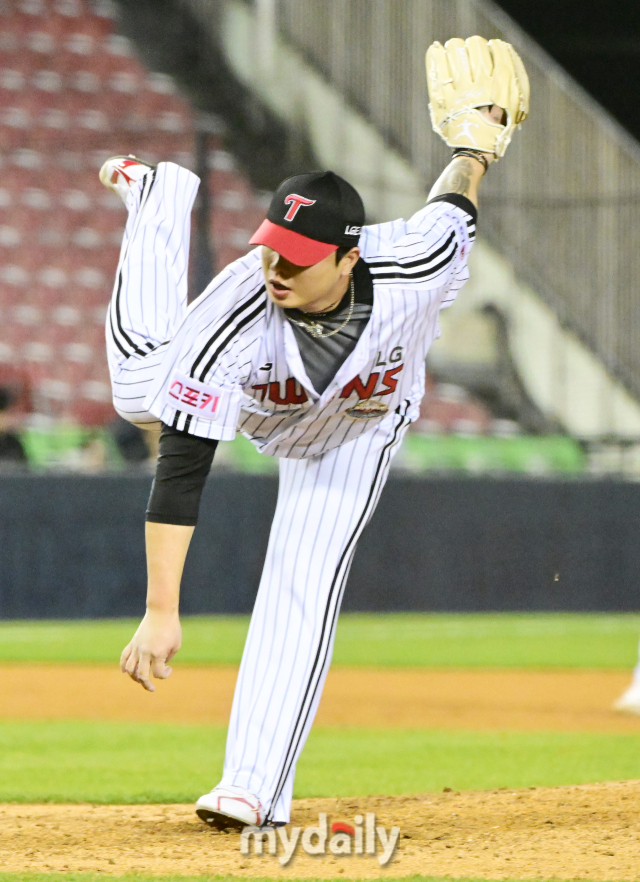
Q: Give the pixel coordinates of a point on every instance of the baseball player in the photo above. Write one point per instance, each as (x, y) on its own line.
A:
(313, 345)
(629, 701)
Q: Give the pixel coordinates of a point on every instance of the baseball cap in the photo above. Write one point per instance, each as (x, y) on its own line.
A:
(310, 216)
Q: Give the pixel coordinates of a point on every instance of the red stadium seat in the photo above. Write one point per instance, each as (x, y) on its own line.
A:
(89, 412)
(73, 93)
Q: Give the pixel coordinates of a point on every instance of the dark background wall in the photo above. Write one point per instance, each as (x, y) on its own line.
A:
(72, 547)
(598, 43)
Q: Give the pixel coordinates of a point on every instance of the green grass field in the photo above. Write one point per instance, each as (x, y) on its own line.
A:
(40, 761)
(531, 640)
(103, 762)
(108, 762)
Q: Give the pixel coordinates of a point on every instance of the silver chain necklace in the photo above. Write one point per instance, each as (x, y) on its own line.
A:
(315, 328)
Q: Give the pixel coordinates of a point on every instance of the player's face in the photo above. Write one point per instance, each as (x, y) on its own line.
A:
(310, 288)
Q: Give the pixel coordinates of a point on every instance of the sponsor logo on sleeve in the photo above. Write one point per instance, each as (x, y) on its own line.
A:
(191, 396)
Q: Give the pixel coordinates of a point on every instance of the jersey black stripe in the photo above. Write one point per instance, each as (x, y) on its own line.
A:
(419, 276)
(427, 258)
(234, 333)
(223, 328)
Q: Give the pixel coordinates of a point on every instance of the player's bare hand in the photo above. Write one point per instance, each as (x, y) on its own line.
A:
(494, 114)
(155, 643)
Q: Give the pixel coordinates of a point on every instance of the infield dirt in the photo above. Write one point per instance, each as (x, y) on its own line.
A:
(577, 700)
(586, 832)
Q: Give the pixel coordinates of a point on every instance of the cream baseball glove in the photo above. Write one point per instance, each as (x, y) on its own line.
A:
(464, 75)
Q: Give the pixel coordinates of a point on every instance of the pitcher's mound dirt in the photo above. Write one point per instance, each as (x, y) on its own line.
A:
(586, 832)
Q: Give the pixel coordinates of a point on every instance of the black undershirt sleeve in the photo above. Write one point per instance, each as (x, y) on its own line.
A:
(459, 200)
(183, 464)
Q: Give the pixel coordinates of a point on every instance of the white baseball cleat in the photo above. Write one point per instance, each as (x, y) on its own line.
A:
(230, 807)
(629, 701)
(120, 172)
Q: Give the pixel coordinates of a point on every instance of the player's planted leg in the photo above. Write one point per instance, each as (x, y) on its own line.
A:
(324, 503)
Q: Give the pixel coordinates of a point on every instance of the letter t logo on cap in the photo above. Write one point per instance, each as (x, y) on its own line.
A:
(295, 202)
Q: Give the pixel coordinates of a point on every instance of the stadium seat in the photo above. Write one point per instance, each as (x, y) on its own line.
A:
(72, 93)
(89, 412)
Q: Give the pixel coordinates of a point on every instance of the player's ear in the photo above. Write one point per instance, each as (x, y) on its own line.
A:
(349, 260)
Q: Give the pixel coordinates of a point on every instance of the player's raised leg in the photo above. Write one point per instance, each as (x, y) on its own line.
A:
(324, 503)
(150, 290)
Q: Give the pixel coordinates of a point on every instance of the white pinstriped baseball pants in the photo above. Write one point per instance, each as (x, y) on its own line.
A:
(150, 292)
(324, 503)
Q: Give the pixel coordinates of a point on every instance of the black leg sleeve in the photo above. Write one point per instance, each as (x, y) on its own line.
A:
(184, 462)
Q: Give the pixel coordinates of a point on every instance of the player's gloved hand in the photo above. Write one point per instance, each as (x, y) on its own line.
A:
(155, 643)
(466, 75)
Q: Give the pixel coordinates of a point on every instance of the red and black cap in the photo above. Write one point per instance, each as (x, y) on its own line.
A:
(310, 216)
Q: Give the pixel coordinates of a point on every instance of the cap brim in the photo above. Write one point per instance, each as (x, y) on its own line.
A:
(292, 246)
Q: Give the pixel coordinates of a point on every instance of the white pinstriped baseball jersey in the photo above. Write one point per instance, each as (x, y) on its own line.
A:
(234, 364)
